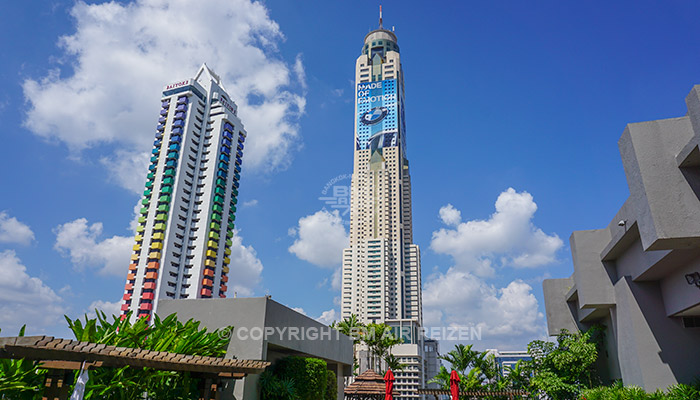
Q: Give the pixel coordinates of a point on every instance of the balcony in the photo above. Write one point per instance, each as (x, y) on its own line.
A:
(130, 277)
(146, 307)
(140, 229)
(149, 285)
(142, 220)
(227, 260)
(224, 278)
(214, 235)
(153, 265)
(147, 296)
(223, 287)
(208, 272)
(207, 282)
(161, 120)
(163, 208)
(211, 253)
(225, 269)
(127, 297)
(210, 263)
(157, 246)
(205, 292)
(155, 255)
(159, 227)
(132, 267)
(212, 244)
(136, 247)
(161, 217)
(227, 252)
(151, 275)
(181, 107)
(166, 190)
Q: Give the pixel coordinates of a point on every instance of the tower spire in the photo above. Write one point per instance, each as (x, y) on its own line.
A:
(381, 25)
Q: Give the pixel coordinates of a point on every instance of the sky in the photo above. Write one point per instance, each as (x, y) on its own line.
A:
(513, 113)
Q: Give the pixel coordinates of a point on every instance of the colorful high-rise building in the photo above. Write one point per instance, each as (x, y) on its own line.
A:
(184, 232)
(381, 273)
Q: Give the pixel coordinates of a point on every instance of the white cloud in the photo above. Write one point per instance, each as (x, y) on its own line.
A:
(250, 203)
(109, 308)
(106, 89)
(25, 299)
(508, 237)
(13, 231)
(450, 215)
(299, 310)
(246, 268)
(505, 315)
(128, 168)
(337, 279)
(81, 242)
(327, 317)
(321, 238)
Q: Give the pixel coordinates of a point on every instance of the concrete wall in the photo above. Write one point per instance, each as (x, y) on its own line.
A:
(265, 330)
(630, 276)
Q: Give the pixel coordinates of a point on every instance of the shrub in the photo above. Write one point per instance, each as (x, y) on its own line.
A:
(309, 376)
(331, 386)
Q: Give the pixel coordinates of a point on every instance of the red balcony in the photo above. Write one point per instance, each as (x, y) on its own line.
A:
(125, 307)
(149, 285)
(224, 278)
(127, 296)
(146, 306)
(147, 296)
(129, 286)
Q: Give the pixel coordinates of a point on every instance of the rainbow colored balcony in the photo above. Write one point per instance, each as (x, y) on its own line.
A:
(225, 269)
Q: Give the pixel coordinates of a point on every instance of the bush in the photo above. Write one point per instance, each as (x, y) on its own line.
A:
(307, 375)
(620, 392)
(331, 386)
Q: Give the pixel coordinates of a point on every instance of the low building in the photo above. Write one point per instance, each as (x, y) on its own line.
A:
(265, 330)
(507, 359)
(638, 277)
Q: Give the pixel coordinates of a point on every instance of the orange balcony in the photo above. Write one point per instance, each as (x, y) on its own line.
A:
(222, 295)
(127, 296)
(224, 278)
(153, 265)
(130, 277)
(151, 275)
(206, 292)
(132, 267)
(129, 286)
(147, 296)
(208, 272)
(207, 282)
(149, 285)
(223, 288)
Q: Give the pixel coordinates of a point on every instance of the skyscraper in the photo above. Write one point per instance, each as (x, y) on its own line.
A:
(381, 279)
(184, 232)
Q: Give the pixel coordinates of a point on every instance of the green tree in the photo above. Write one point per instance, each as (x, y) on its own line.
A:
(562, 369)
(379, 339)
(352, 327)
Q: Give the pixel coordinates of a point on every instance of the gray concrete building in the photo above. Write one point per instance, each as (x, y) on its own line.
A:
(265, 330)
(639, 276)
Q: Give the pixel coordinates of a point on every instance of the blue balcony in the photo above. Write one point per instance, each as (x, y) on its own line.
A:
(240, 146)
(181, 107)
(155, 151)
(179, 123)
(161, 120)
(159, 135)
(152, 167)
(237, 168)
(226, 142)
(171, 163)
(179, 115)
(236, 184)
(222, 174)
(239, 153)
(175, 139)
(226, 150)
(239, 161)
(160, 127)
(165, 103)
(237, 176)
(241, 138)
(164, 112)
(157, 143)
(182, 100)
(228, 134)
(175, 147)
(224, 157)
(228, 126)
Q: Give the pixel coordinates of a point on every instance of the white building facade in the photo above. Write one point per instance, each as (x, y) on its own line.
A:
(381, 274)
(184, 232)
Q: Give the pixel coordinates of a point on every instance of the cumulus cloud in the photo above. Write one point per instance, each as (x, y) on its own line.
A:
(25, 299)
(13, 231)
(508, 237)
(450, 216)
(81, 242)
(320, 238)
(250, 203)
(107, 307)
(245, 266)
(115, 63)
(503, 315)
(328, 317)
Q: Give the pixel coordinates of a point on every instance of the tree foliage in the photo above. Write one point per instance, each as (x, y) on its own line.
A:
(20, 379)
(379, 339)
(296, 377)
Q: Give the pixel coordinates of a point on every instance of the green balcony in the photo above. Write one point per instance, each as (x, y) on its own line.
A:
(149, 184)
(233, 207)
(214, 225)
(216, 217)
(220, 182)
(167, 189)
(161, 217)
(168, 181)
(142, 220)
(159, 227)
(150, 176)
(164, 199)
(235, 191)
(220, 191)
(145, 202)
(144, 210)
(219, 199)
(229, 243)
(214, 235)
(163, 208)
(234, 200)
(218, 208)
(140, 228)
(169, 172)
(230, 225)
(229, 234)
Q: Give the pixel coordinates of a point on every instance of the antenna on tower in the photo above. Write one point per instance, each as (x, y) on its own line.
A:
(381, 25)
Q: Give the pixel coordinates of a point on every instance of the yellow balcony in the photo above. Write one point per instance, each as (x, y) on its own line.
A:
(210, 263)
(228, 252)
(213, 244)
(227, 260)
(159, 235)
(138, 238)
(211, 253)
(137, 247)
(225, 269)
(134, 257)
(157, 245)
(154, 254)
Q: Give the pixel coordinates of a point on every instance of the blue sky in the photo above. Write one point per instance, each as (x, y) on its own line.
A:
(499, 95)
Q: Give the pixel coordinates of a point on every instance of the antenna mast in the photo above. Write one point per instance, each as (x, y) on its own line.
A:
(381, 25)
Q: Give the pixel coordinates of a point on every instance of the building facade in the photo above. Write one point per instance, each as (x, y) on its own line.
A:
(639, 277)
(507, 359)
(184, 232)
(381, 274)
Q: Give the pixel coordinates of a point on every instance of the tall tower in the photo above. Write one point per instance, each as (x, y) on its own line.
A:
(184, 232)
(381, 279)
